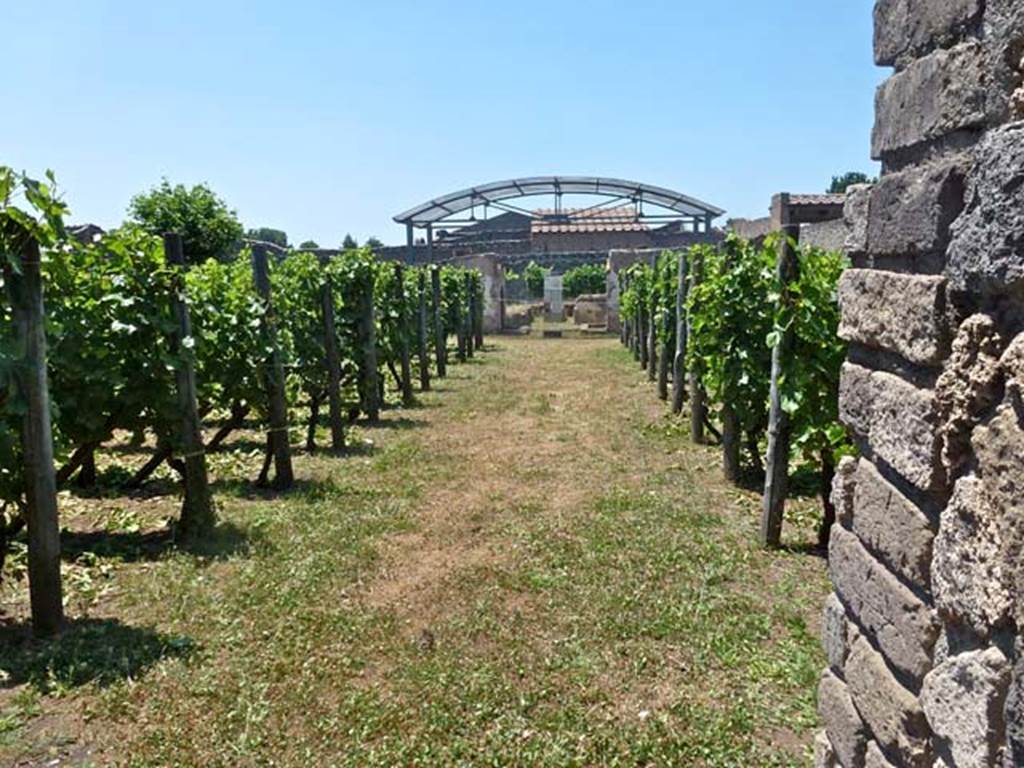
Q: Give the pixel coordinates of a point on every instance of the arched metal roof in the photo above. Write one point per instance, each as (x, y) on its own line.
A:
(440, 208)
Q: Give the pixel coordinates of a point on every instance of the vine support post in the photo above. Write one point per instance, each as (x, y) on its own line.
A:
(198, 516)
(332, 356)
(25, 291)
(478, 318)
(277, 435)
(440, 332)
(731, 437)
(421, 330)
(371, 384)
(679, 360)
(641, 336)
(665, 356)
(698, 399)
(777, 459)
(652, 335)
(465, 321)
(405, 357)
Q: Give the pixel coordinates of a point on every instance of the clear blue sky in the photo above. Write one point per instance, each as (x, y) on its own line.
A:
(323, 118)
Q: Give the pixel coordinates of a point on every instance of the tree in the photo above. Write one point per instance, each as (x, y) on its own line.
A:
(349, 243)
(374, 244)
(207, 226)
(268, 235)
(308, 245)
(534, 275)
(841, 183)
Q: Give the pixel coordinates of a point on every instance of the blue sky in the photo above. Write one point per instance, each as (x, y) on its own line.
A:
(323, 118)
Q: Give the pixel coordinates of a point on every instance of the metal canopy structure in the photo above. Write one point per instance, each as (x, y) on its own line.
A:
(669, 206)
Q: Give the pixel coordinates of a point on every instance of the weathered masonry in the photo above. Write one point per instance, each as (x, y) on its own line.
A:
(926, 662)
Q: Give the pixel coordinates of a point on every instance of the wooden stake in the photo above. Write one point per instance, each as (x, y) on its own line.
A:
(698, 400)
(25, 291)
(277, 435)
(440, 333)
(197, 512)
(333, 359)
(679, 360)
(421, 331)
(777, 461)
(403, 335)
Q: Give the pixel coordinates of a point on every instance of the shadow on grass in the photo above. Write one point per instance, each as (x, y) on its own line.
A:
(400, 424)
(98, 651)
(227, 540)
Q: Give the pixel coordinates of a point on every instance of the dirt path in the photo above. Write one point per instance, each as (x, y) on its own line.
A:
(534, 567)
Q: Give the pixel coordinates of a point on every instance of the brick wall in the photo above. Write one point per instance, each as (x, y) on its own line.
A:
(922, 632)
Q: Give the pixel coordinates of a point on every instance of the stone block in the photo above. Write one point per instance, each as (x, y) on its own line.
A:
(986, 254)
(904, 314)
(911, 212)
(891, 526)
(843, 486)
(898, 419)
(904, 627)
(1015, 715)
(824, 755)
(874, 758)
(934, 96)
(969, 576)
(963, 700)
(855, 216)
(968, 387)
(846, 732)
(911, 27)
(833, 632)
(891, 711)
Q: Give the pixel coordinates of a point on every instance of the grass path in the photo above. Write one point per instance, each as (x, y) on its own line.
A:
(532, 568)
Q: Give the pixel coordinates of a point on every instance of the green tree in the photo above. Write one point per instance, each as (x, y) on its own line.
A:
(374, 244)
(534, 275)
(207, 226)
(349, 243)
(269, 235)
(841, 183)
(586, 278)
(308, 245)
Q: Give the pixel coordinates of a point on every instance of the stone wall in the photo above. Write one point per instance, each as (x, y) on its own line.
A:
(922, 633)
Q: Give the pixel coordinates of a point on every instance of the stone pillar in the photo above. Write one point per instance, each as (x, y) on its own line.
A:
(922, 632)
(553, 304)
(493, 273)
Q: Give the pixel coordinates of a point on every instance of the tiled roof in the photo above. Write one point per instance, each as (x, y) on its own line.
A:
(576, 220)
(825, 199)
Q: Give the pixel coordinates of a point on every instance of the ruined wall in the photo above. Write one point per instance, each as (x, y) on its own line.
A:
(922, 633)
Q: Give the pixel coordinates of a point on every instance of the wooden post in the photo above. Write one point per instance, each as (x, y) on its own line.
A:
(652, 338)
(478, 318)
(777, 460)
(403, 335)
(679, 360)
(421, 330)
(642, 347)
(664, 357)
(467, 317)
(730, 421)
(197, 513)
(698, 401)
(277, 434)
(332, 357)
(371, 384)
(25, 291)
(440, 332)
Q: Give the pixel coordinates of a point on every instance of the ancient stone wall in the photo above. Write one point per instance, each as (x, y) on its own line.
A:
(926, 664)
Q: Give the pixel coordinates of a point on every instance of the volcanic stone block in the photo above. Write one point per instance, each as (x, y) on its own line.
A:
(963, 701)
(891, 711)
(911, 212)
(986, 254)
(833, 632)
(899, 313)
(904, 627)
(901, 419)
(843, 488)
(855, 216)
(912, 27)
(824, 755)
(1015, 715)
(939, 94)
(969, 575)
(845, 729)
(873, 757)
(892, 526)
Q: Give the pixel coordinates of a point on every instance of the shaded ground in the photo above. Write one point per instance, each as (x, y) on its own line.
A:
(533, 567)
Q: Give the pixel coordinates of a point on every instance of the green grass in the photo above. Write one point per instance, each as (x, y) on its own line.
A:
(590, 587)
